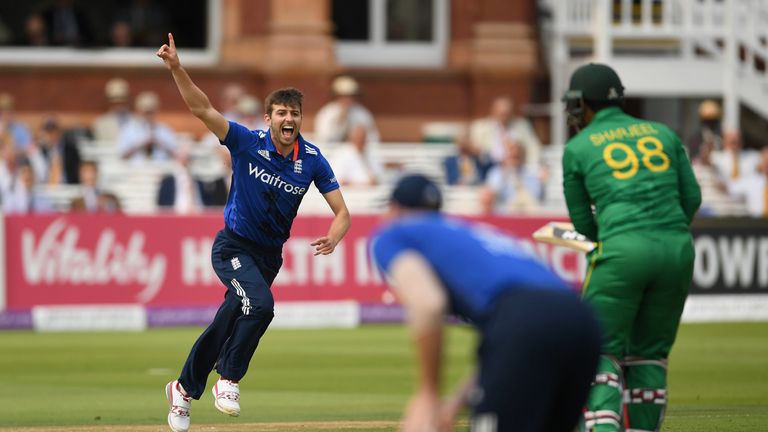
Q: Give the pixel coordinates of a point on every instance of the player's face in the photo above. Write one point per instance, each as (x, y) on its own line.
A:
(284, 124)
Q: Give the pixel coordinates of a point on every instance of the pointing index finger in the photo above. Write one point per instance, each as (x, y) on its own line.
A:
(170, 41)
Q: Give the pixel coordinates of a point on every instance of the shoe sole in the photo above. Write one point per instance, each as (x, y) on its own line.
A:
(170, 405)
(232, 413)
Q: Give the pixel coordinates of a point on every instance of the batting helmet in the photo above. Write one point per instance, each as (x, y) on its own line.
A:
(595, 83)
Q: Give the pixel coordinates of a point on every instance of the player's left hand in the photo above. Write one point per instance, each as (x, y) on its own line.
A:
(324, 245)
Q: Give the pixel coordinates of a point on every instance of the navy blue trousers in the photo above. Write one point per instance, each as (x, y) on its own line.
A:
(231, 339)
(538, 354)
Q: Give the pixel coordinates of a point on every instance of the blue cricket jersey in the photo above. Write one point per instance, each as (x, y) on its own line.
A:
(267, 187)
(475, 263)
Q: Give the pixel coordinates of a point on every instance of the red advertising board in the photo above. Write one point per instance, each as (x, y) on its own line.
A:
(164, 260)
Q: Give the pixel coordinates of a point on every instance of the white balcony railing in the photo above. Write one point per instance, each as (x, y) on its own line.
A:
(672, 48)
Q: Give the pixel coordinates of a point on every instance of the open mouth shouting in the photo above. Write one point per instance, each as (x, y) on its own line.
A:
(286, 132)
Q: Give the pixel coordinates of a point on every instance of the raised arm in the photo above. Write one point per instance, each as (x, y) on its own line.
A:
(197, 102)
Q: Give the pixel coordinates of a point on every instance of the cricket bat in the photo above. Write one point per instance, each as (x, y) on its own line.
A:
(563, 234)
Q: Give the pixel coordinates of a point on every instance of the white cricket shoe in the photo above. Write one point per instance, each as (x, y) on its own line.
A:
(226, 397)
(179, 405)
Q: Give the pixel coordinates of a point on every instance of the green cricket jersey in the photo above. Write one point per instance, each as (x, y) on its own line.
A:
(634, 171)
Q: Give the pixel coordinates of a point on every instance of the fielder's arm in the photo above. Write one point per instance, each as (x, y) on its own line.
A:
(421, 293)
(197, 101)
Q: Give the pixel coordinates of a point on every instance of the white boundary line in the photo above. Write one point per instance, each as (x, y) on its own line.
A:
(726, 307)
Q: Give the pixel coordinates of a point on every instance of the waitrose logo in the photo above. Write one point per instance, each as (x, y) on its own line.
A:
(273, 180)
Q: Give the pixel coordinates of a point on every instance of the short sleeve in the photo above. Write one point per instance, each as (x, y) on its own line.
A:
(385, 247)
(324, 179)
(237, 137)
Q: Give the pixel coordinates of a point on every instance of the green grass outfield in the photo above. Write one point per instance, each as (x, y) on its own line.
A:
(324, 380)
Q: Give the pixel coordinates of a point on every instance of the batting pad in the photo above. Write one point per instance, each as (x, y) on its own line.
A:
(605, 399)
(646, 393)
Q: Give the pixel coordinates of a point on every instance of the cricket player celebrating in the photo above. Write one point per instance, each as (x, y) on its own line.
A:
(638, 178)
(271, 172)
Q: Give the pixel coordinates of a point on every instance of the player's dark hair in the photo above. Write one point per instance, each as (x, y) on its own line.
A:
(418, 192)
(289, 96)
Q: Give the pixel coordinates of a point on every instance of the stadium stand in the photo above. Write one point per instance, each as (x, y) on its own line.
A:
(136, 187)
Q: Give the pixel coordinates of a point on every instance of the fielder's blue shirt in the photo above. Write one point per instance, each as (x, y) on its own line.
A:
(267, 187)
(475, 263)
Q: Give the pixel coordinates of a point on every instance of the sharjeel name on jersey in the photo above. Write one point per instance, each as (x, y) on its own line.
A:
(631, 131)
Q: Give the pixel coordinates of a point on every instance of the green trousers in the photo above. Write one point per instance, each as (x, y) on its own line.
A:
(637, 284)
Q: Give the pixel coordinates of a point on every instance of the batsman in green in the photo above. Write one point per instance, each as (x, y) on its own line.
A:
(629, 186)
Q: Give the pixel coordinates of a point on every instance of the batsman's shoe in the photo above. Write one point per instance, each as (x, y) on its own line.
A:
(226, 397)
(179, 405)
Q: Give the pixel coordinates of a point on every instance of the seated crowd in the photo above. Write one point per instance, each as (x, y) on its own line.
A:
(499, 157)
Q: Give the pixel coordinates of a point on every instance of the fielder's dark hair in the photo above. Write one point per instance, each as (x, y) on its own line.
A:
(416, 191)
(289, 96)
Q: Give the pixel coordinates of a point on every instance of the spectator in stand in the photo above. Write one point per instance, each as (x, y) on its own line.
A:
(712, 186)
(145, 138)
(491, 133)
(239, 107)
(753, 187)
(732, 162)
(511, 186)
(708, 137)
(230, 97)
(11, 130)
(469, 166)
(6, 35)
(92, 199)
(110, 203)
(21, 197)
(184, 193)
(354, 166)
(35, 32)
(250, 114)
(121, 35)
(108, 126)
(246, 111)
(7, 164)
(55, 156)
(148, 21)
(335, 120)
(67, 25)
